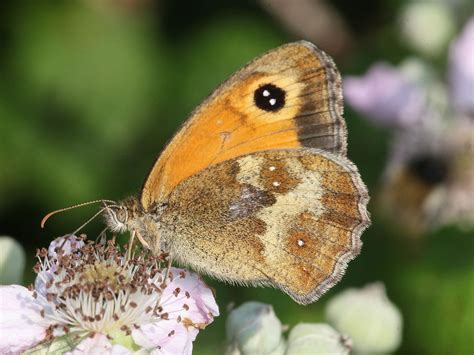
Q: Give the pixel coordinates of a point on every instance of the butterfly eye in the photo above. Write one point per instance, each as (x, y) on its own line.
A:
(122, 215)
(269, 97)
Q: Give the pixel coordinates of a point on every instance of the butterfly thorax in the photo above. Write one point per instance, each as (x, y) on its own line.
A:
(129, 215)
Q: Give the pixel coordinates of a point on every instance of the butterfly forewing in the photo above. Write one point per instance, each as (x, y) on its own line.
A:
(289, 97)
(287, 218)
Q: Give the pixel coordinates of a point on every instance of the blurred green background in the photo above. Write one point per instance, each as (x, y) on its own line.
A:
(90, 91)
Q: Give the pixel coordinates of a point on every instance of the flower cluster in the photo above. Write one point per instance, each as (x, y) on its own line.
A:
(90, 297)
(429, 177)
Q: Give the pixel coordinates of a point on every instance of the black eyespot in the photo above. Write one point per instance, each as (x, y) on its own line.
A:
(269, 97)
(429, 169)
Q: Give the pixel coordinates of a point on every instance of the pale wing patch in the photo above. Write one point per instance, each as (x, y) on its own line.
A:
(305, 196)
(250, 163)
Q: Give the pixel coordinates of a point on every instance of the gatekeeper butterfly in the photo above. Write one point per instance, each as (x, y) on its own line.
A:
(255, 188)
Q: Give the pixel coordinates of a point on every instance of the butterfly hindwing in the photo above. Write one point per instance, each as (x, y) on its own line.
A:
(290, 218)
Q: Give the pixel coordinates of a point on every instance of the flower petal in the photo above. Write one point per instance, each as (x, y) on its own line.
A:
(166, 337)
(386, 96)
(21, 325)
(187, 305)
(67, 244)
(99, 344)
(461, 70)
(188, 297)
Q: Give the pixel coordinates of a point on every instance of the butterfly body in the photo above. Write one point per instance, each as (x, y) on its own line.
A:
(255, 188)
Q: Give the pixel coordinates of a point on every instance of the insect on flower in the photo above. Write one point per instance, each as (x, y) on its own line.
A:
(90, 296)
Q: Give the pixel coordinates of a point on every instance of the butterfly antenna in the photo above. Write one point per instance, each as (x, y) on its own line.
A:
(45, 218)
(89, 220)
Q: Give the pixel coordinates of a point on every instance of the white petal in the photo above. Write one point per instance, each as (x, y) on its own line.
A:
(189, 305)
(42, 278)
(119, 350)
(99, 344)
(21, 325)
(461, 70)
(67, 244)
(194, 301)
(386, 96)
(166, 337)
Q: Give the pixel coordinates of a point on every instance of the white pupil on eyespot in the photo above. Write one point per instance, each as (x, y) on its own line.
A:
(266, 93)
(272, 101)
(272, 168)
(300, 242)
(276, 183)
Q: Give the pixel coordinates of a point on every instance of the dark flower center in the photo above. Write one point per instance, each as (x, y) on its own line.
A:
(430, 169)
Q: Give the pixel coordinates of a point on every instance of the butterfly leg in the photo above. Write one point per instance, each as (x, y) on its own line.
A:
(170, 261)
(102, 236)
(130, 245)
(140, 238)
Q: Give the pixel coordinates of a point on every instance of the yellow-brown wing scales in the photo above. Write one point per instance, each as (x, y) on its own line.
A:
(287, 218)
(232, 121)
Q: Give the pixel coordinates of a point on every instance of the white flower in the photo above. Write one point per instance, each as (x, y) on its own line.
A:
(387, 95)
(429, 178)
(404, 96)
(461, 69)
(97, 299)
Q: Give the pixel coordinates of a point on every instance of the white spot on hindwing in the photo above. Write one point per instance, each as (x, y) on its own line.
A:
(276, 183)
(300, 242)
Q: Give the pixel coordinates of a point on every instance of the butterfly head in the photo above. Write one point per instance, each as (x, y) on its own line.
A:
(119, 216)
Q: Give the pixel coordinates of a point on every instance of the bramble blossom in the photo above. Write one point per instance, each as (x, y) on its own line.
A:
(89, 297)
(429, 179)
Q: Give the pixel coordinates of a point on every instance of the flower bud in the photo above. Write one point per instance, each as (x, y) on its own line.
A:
(368, 317)
(12, 261)
(308, 338)
(416, 25)
(253, 328)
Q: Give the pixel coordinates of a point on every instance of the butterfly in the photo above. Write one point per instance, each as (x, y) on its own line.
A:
(255, 188)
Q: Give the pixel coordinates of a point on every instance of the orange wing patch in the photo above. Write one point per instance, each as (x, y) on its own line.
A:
(288, 98)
